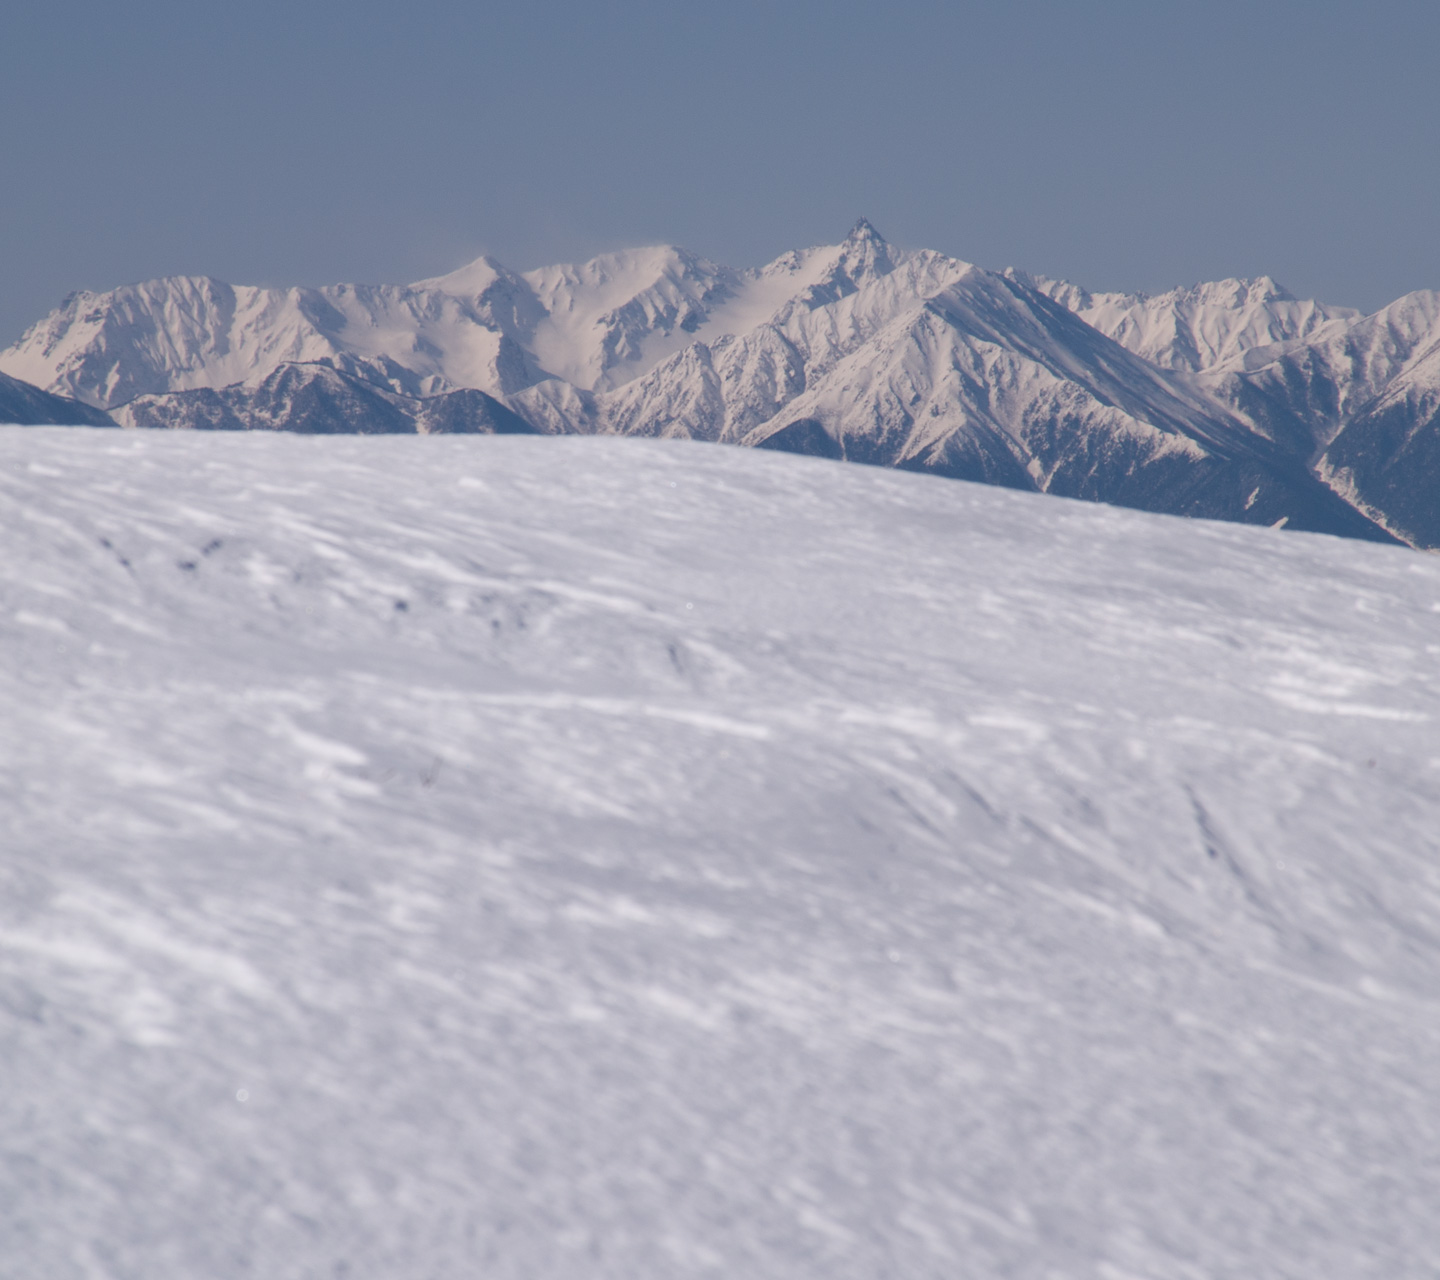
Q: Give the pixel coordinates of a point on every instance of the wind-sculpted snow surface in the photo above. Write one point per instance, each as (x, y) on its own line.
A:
(599, 858)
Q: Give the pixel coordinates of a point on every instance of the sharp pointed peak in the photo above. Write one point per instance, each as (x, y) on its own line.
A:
(865, 254)
(864, 229)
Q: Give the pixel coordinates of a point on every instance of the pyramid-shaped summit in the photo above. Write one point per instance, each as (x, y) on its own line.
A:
(864, 229)
(865, 253)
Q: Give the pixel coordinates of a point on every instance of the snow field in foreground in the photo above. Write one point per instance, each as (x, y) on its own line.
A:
(591, 858)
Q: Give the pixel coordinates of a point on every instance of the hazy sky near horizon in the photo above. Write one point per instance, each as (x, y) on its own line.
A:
(1119, 144)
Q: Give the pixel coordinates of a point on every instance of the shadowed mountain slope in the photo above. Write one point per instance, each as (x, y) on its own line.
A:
(27, 405)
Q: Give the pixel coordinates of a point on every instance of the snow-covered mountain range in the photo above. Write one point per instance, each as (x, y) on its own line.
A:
(1231, 399)
(582, 859)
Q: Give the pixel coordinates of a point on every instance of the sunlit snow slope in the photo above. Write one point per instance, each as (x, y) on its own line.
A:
(600, 858)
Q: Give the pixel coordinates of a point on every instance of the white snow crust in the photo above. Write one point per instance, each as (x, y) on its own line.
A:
(608, 858)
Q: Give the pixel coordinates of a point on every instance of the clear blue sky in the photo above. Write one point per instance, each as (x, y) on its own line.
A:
(1118, 144)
